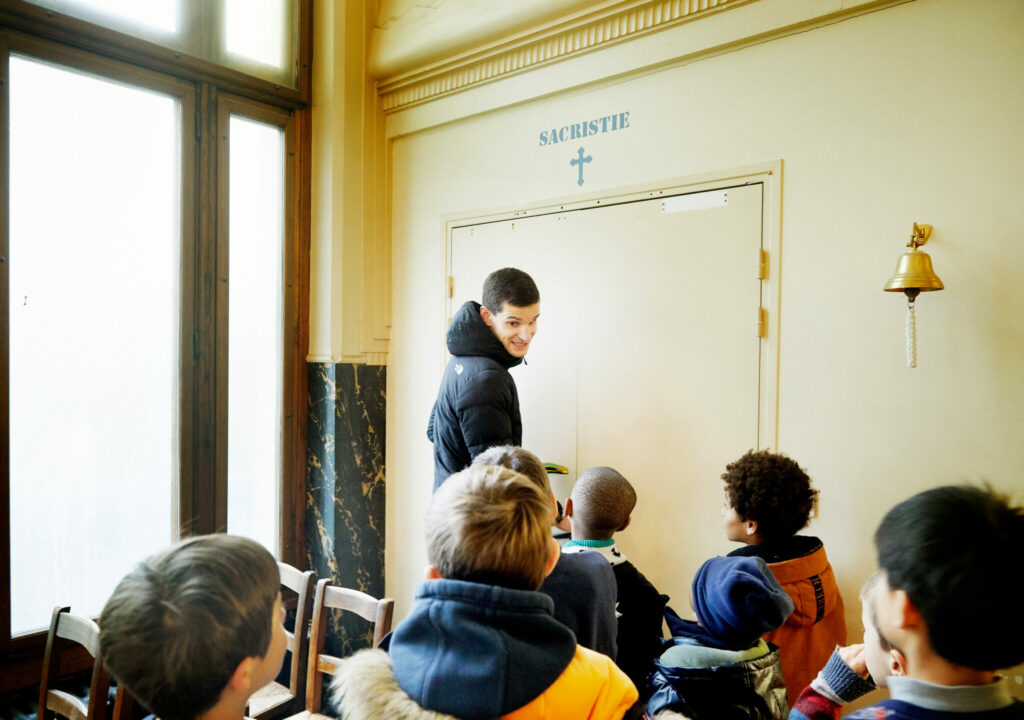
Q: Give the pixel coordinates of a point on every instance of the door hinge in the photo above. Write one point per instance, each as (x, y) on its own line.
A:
(762, 264)
(762, 322)
(451, 286)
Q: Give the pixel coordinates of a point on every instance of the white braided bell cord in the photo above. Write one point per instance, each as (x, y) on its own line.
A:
(911, 336)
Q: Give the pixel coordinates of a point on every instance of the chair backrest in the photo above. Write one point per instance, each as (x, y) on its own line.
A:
(378, 612)
(303, 584)
(67, 630)
(277, 701)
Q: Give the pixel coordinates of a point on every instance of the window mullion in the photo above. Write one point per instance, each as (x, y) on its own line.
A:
(204, 507)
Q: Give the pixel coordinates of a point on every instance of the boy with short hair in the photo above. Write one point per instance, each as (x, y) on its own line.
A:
(768, 500)
(477, 405)
(719, 667)
(193, 631)
(479, 642)
(601, 504)
(582, 585)
(943, 607)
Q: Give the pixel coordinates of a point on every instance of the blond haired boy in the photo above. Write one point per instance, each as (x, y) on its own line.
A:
(479, 641)
(582, 585)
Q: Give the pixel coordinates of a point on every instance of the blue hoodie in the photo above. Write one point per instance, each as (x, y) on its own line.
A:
(478, 651)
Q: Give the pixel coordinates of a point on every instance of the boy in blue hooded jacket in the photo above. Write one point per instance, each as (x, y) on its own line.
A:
(719, 667)
(479, 641)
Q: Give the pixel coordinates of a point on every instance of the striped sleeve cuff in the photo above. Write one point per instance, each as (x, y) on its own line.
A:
(839, 683)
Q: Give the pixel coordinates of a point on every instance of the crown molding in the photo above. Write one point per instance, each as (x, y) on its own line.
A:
(577, 36)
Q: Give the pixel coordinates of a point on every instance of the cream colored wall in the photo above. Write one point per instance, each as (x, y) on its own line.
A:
(349, 258)
(911, 113)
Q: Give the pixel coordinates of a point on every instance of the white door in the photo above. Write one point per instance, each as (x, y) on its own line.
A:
(647, 356)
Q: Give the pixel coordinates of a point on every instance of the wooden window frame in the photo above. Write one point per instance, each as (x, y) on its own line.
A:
(207, 93)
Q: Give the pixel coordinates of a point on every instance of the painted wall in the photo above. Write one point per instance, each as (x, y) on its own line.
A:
(910, 113)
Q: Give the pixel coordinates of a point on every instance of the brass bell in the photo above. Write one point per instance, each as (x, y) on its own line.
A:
(914, 272)
(913, 276)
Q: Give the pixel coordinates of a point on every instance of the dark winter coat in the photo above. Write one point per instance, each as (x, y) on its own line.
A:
(747, 690)
(477, 406)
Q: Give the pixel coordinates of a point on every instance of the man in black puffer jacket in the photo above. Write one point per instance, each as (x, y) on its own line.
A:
(477, 406)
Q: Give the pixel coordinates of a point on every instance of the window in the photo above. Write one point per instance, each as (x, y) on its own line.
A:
(257, 37)
(152, 265)
(256, 197)
(95, 229)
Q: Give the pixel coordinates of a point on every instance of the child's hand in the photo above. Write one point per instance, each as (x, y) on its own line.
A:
(853, 655)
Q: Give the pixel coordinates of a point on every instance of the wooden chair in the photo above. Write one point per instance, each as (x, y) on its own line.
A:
(275, 700)
(66, 631)
(378, 612)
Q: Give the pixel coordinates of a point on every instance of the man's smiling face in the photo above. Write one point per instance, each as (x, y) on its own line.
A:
(513, 326)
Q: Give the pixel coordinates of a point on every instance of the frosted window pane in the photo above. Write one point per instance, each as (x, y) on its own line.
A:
(162, 15)
(255, 30)
(255, 330)
(94, 329)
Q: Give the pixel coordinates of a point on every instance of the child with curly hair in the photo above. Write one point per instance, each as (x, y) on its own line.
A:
(768, 501)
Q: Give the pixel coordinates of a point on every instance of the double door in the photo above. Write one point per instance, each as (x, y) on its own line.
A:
(647, 357)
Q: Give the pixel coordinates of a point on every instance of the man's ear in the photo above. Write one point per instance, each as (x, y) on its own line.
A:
(751, 527)
(431, 573)
(567, 510)
(625, 524)
(897, 663)
(241, 679)
(487, 316)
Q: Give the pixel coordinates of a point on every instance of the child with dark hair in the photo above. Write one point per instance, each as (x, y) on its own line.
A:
(768, 500)
(719, 667)
(582, 585)
(940, 621)
(601, 505)
(192, 632)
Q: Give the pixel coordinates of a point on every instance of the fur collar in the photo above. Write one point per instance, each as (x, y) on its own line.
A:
(364, 688)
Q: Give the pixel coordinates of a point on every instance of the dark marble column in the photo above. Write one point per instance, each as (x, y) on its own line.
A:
(345, 487)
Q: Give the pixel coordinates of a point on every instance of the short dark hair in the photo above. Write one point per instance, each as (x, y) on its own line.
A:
(180, 622)
(490, 525)
(772, 490)
(603, 499)
(954, 550)
(511, 286)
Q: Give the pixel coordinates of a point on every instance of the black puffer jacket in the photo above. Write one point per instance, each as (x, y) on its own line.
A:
(477, 406)
(748, 690)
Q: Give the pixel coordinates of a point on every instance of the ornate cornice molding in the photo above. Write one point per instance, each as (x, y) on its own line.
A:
(543, 47)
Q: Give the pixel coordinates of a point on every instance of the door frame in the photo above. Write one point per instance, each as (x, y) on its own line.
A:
(768, 174)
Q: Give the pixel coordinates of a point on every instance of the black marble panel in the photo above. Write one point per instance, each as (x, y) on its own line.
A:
(345, 487)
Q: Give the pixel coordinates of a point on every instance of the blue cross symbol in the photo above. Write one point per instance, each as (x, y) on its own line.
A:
(579, 161)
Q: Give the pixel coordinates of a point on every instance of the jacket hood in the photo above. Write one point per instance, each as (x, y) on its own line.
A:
(478, 651)
(811, 585)
(364, 688)
(469, 336)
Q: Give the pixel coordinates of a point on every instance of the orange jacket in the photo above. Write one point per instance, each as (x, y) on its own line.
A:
(818, 621)
(591, 688)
